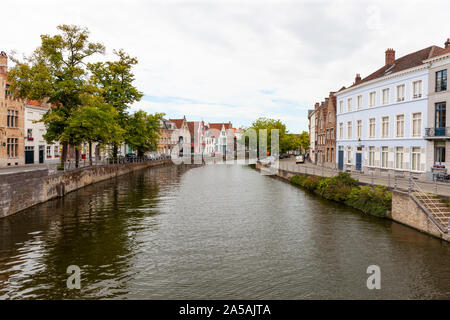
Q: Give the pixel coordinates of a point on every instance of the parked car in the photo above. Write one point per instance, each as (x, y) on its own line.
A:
(299, 159)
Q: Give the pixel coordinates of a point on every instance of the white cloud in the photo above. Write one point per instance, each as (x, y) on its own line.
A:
(224, 56)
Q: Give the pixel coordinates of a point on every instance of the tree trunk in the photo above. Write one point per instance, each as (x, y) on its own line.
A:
(90, 153)
(77, 157)
(64, 153)
(115, 151)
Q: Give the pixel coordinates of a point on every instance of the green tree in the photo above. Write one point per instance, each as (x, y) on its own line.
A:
(94, 121)
(56, 73)
(142, 131)
(269, 124)
(115, 81)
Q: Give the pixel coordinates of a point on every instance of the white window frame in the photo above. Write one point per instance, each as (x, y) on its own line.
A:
(417, 158)
(358, 129)
(385, 101)
(349, 130)
(374, 102)
(413, 133)
(396, 125)
(359, 102)
(383, 135)
(401, 99)
(341, 106)
(349, 104)
(370, 128)
(341, 130)
(413, 91)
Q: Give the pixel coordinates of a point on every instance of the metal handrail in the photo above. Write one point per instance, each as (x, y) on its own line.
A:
(424, 194)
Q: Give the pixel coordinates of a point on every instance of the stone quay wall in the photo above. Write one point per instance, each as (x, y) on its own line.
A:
(19, 191)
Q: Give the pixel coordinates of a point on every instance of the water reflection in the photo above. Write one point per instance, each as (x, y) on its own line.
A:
(212, 232)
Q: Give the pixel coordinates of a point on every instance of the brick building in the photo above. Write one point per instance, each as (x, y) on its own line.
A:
(11, 121)
(324, 132)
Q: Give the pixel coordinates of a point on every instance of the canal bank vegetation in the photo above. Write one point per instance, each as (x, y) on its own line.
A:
(344, 189)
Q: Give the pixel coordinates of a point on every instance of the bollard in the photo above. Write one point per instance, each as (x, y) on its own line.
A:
(435, 186)
(395, 182)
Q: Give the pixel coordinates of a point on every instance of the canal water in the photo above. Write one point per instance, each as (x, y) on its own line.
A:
(213, 232)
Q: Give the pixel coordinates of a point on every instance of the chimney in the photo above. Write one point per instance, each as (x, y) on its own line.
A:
(447, 43)
(3, 62)
(357, 78)
(390, 57)
(316, 106)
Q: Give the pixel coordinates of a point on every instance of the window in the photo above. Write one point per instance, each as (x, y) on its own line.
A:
(417, 89)
(349, 155)
(439, 152)
(56, 151)
(29, 133)
(12, 147)
(372, 128)
(441, 80)
(12, 120)
(398, 158)
(385, 127)
(384, 157)
(349, 130)
(415, 164)
(359, 102)
(385, 96)
(371, 156)
(349, 105)
(400, 126)
(49, 154)
(440, 118)
(372, 99)
(341, 130)
(329, 116)
(401, 93)
(358, 129)
(341, 106)
(417, 124)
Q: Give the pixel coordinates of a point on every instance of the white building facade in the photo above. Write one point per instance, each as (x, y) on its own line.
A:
(37, 150)
(380, 119)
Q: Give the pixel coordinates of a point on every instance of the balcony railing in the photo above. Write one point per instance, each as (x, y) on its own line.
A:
(435, 132)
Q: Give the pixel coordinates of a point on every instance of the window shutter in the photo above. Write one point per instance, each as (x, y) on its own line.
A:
(406, 157)
(391, 157)
(377, 156)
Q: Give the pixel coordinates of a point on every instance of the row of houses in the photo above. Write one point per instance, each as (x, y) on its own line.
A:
(393, 120)
(201, 138)
(22, 141)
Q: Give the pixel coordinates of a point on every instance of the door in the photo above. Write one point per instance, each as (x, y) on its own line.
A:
(41, 154)
(29, 155)
(358, 161)
(341, 160)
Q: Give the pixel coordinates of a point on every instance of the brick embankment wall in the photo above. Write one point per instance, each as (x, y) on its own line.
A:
(19, 191)
(404, 209)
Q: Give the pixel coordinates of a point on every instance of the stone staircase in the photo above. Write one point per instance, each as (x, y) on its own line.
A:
(438, 210)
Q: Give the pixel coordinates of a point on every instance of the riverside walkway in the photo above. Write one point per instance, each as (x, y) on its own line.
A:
(400, 181)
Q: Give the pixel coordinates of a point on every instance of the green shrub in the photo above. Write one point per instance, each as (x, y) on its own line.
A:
(375, 201)
(60, 167)
(337, 188)
(311, 183)
(298, 180)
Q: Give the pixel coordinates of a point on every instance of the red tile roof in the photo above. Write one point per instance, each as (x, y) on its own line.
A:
(406, 62)
(218, 126)
(178, 122)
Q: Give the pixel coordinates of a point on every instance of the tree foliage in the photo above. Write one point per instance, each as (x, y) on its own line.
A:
(143, 131)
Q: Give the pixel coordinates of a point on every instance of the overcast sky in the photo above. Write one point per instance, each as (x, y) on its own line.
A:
(238, 60)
